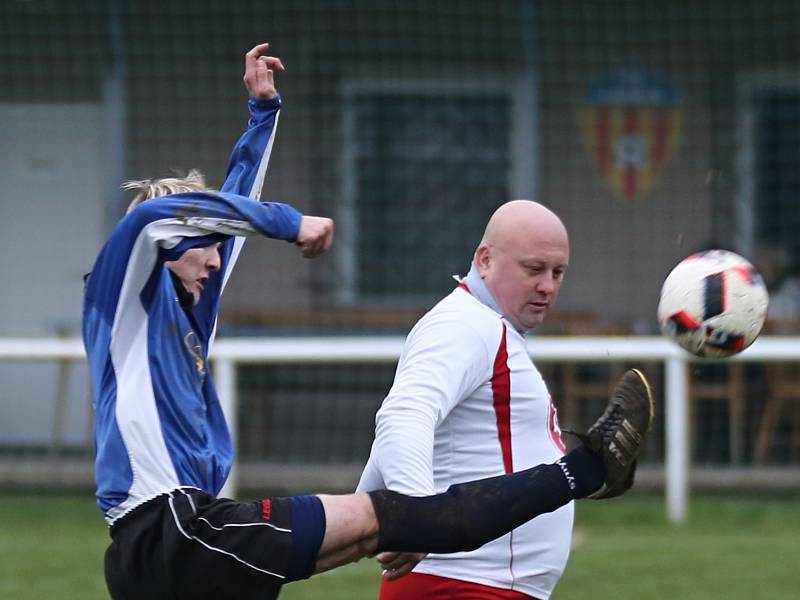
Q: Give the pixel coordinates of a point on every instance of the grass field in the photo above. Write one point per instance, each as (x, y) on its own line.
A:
(52, 547)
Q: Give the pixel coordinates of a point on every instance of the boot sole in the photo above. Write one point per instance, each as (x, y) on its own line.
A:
(650, 400)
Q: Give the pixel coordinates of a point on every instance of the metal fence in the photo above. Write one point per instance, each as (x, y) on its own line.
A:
(309, 427)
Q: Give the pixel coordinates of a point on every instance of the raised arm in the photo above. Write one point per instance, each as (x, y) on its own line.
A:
(163, 228)
(248, 164)
(249, 159)
(250, 156)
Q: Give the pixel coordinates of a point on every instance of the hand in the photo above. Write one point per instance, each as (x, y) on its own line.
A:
(315, 236)
(259, 73)
(397, 564)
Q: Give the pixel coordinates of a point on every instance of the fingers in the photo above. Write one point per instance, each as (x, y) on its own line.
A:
(251, 57)
(313, 248)
(255, 55)
(392, 560)
(259, 72)
(386, 557)
(397, 573)
(315, 236)
(398, 564)
(272, 62)
(257, 50)
(265, 69)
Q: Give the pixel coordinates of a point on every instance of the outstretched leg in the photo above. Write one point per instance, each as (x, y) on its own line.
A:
(464, 517)
(471, 514)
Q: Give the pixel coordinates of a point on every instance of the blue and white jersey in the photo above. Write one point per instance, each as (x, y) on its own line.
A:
(159, 425)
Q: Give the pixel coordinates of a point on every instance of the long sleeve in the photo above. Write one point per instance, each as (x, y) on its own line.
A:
(163, 228)
(159, 424)
(468, 403)
(444, 361)
(247, 169)
(250, 157)
(127, 290)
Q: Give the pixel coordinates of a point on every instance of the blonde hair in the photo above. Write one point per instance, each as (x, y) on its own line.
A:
(146, 189)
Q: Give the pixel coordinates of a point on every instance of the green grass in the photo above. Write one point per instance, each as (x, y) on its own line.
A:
(731, 549)
(52, 547)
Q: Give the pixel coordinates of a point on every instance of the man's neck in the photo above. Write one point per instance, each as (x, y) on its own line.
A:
(478, 288)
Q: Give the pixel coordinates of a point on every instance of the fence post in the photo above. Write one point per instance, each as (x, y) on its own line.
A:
(225, 379)
(676, 390)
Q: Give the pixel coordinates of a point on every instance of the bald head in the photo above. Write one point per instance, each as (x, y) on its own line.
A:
(522, 259)
(521, 221)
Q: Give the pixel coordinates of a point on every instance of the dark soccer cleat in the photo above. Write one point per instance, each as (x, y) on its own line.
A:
(618, 434)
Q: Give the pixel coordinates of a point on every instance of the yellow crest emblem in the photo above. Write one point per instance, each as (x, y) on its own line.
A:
(630, 126)
(194, 347)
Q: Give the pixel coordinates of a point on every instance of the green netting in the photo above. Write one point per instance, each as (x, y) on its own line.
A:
(652, 128)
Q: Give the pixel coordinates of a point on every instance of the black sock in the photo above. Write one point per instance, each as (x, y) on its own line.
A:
(584, 471)
(470, 514)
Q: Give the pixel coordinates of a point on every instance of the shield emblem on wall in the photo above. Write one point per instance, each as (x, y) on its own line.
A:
(630, 125)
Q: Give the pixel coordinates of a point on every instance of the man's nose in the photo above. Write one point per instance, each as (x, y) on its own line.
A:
(214, 261)
(546, 283)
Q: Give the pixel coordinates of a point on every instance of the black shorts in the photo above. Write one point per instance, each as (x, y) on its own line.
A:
(187, 544)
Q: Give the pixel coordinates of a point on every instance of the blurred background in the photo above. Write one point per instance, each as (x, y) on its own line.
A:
(654, 129)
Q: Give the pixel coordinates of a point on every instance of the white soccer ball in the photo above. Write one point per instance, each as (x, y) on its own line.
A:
(713, 304)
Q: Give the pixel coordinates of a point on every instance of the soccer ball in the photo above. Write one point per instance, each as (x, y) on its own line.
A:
(713, 304)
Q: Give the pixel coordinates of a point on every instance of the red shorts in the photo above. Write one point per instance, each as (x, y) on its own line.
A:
(421, 586)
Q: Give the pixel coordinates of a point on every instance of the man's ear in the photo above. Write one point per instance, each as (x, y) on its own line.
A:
(483, 258)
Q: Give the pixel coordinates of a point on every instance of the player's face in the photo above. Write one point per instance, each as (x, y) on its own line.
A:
(194, 266)
(525, 279)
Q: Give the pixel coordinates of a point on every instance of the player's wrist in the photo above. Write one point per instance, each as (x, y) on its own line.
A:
(265, 102)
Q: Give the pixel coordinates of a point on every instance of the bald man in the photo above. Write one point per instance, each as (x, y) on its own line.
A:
(467, 403)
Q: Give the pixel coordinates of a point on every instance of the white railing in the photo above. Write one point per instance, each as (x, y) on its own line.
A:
(229, 352)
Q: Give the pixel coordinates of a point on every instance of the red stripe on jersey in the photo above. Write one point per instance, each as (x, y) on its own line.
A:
(555, 430)
(463, 286)
(501, 395)
(266, 509)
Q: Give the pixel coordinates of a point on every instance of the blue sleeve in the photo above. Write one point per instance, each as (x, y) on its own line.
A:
(248, 162)
(247, 169)
(182, 221)
(271, 219)
(164, 228)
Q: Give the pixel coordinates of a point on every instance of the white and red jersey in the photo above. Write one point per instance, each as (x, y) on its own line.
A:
(468, 403)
